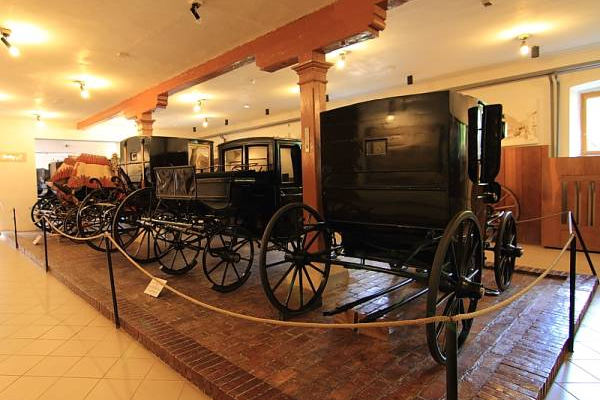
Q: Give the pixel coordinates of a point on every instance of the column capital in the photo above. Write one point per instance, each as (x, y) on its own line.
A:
(144, 123)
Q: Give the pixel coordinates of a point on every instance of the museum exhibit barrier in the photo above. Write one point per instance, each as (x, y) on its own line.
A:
(450, 321)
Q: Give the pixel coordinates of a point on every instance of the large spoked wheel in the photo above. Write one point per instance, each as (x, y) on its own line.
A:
(508, 202)
(505, 251)
(133, 228)
(455, 280)
(95, 217)
(227, 259)
(294, 259)
(182, 249)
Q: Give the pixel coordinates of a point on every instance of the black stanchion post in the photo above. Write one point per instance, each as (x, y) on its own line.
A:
(15, 224)
(451, 361)
(583, 246)
(112, 282)
(572, 277)
(44, 229)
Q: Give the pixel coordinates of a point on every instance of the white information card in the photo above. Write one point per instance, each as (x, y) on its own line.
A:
(155, 286)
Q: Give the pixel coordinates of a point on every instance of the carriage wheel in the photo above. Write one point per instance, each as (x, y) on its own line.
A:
(69, 225)
(132, 229)
(227, 259)
(36, 212)
(505, 251)
(182, 251)
(93, 219)
(508, 202)
(455, 280)
(294, 259)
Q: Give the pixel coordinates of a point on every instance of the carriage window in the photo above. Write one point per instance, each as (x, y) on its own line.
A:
(258, 158)
(287, 165)
(376, 147)
(199, 156)
(233, 159)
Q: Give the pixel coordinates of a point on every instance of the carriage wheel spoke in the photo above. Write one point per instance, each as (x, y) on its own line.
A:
(315, 268)
(310, 243)
(310, 282)
(215, 267)
(236, 271)
(290, 290)
(224, 274)
(140, 244)
(184, 258)
(301, 287)
(283, 277)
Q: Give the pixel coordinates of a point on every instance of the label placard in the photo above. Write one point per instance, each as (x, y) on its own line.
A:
(37, 239)
(155, 286)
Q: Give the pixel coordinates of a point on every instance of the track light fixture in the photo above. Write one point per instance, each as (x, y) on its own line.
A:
(524, 49)
(5, 34)
(198, 106)
(38, 120)
(85, 93)
(341, 62)
(195, 9)
(205, 123)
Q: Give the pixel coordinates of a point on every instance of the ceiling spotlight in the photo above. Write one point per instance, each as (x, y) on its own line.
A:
(195, 9)
(38, 120)
(341, 62)
(524, 48)
(205, 123)
(246, 106)
(84, 92)
(486, 3)
(13, 50)
(198, 106)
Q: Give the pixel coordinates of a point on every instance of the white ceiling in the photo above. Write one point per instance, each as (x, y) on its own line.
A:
(82, 38)
(425, 38)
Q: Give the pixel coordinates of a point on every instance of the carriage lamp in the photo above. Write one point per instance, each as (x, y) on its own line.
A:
(341, 62)
(524, 49)
(5, 34)
(205, 123)
(198, 106)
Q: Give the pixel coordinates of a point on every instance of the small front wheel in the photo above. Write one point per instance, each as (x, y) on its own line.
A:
(227, 259)
(505, 251)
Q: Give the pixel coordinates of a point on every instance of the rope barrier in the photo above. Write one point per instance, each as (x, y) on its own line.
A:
(355, 325)
(522, 221)
(77, 239)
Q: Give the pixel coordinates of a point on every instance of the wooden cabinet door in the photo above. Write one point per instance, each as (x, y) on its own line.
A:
(571, 184)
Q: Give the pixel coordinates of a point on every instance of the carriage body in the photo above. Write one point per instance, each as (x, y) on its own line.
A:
(141, 154)
(257, 176)
(396, 169)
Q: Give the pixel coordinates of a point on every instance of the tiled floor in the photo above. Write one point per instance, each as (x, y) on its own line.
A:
(53, 345)
(579, 377)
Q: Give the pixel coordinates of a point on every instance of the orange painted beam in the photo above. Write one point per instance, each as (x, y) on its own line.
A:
(326, 28)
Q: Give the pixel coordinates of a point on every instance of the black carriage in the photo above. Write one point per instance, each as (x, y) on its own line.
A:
(216, 216)
(408, 185)
(139, 156)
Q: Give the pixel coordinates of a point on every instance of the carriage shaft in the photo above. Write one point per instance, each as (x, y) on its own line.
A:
(370, 297)
(380, 313)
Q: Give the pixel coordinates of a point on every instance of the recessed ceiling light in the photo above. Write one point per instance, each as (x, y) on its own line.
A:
(4, 97)
(246, 106)
(123, 54)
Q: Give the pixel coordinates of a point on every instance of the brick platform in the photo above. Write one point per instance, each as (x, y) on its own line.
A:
(513, 354)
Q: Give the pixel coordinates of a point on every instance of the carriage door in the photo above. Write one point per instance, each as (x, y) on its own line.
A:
(290, 174)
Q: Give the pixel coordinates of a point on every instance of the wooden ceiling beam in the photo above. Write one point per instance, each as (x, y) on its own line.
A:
(328, 28)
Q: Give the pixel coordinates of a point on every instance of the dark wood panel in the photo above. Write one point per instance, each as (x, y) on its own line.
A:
(521, 171)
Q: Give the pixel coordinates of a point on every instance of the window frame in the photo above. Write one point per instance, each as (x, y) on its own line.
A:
(583, 114)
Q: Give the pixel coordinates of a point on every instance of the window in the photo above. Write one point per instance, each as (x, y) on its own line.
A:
(590, 123)
(233, 159)
(287, 165)
(376, 147)
(258, 158)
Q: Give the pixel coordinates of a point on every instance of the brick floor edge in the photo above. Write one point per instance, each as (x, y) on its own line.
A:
(514, 377)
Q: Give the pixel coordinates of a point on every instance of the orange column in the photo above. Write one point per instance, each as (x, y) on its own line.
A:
(312, 73)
